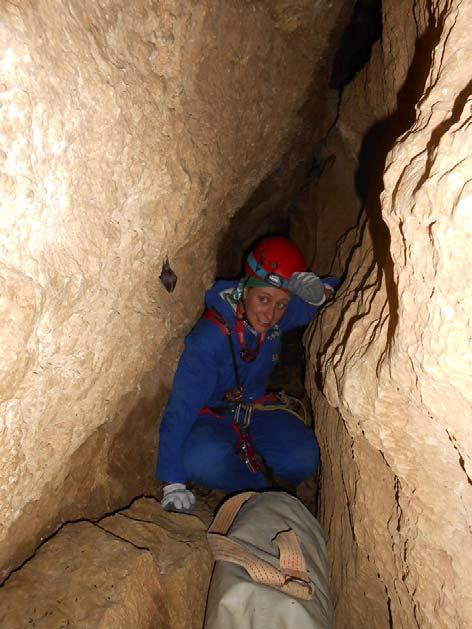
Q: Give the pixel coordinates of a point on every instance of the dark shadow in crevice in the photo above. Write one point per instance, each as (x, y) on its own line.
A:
(363, 30)
(44, 540)
(269, 207)
(353, 53)
(376, 145)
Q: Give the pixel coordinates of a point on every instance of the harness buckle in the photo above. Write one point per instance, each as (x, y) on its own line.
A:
(304, 583)
(234, 396)
(245, 449)
(241, 420)
(242, 415)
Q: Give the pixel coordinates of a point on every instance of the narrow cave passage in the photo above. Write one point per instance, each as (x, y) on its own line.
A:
(136, 134)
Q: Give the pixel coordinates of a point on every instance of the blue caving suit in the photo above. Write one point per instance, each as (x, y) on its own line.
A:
(200, 447)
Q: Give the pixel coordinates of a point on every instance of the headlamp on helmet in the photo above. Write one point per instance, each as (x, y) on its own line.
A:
(274, 260)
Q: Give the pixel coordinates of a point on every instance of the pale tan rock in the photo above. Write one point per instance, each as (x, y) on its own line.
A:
(359, 128)
(130, 131)
(392, 356)
(139, 568)
(179, 547)
(84, 577)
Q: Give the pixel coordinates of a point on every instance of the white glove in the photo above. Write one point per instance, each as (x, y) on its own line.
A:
(176, 497)
(308, 287)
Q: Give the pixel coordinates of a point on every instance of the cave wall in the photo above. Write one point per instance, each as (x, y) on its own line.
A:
(272, 207)
(389, 364)
(130, 132)
(362, 120)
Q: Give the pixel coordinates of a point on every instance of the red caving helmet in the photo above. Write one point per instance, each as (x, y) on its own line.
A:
(273, 261)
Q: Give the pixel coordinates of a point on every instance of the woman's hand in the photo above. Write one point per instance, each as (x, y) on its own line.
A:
(177, 498)
(308, 287)
(328, 292)
(311, 288)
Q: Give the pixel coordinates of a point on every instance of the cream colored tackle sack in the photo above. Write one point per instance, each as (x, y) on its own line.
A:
(271, 567)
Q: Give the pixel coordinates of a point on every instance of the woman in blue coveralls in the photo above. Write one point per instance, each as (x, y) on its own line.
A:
(210, 433)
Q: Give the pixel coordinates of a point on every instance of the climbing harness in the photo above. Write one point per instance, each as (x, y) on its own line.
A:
(241, 425)
(281, 400)
(248, 355)
(242, 411)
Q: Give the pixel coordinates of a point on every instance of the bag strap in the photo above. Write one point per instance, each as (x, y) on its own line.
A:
(228, 511)
(291, 576)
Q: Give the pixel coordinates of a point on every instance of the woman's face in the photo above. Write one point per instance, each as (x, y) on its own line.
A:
(265, 307)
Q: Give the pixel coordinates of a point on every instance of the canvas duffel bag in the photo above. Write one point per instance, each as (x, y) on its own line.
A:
(271, 566)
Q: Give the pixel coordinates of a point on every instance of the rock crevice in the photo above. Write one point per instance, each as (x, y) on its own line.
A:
(131, 132)
(136, 132)
(395, 373)
(126, 570)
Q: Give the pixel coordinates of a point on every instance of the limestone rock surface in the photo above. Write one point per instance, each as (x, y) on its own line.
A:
(392, 354)
(130, 131)
(360, 126)
(179, 547)
(138, 568)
